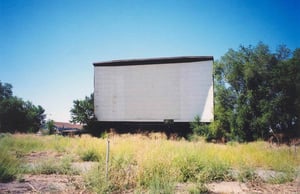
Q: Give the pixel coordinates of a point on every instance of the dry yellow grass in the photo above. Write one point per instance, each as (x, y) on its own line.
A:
(137, 161)
(157, 147)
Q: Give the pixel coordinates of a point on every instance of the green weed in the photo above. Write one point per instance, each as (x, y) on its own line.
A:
(246, 174)
(282, 178)
(198, 189)
(90, 155)
(95, 180)
(157, 179)
(214, 171)
(52, 166)
(160, 184)
(189, 168)
(9, 166)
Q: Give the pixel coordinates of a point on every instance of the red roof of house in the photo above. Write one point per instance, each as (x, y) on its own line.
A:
(67, 125)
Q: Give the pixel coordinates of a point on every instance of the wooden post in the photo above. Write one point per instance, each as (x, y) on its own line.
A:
(107, 159)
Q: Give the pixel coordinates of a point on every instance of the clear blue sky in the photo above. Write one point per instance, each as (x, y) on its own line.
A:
(47, 47)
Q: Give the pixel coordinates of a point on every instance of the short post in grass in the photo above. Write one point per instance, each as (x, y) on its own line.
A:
(107, 159)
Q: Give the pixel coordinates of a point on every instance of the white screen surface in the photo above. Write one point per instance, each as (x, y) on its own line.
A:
(154, 92)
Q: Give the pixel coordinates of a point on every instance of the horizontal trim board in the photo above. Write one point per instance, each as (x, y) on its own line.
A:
(144, 121)
(153, 61)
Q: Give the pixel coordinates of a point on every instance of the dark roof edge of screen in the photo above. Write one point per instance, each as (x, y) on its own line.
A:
(153, 61)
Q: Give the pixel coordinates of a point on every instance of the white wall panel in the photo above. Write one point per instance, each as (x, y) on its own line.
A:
(155, 92)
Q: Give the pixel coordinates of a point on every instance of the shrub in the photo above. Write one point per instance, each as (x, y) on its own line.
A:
(214, 171)
(189, 168)
(209, 131)
(90, 155)
(199, 128)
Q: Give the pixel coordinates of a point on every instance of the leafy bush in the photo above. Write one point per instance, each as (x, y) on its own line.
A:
(90, 155)
(189, 168)
(17, 115)
(198, 127)
(209, 131)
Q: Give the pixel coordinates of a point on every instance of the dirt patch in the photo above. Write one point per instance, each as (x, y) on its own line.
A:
(39, 156)
(84, 167)
(242, 188)
(288, 188)
(53, 183)
(74, 184)
(237, 187)
(45, 184)
(228, 187)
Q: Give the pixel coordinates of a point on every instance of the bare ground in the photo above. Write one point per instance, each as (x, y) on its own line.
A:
(74, 184)
(45, 184)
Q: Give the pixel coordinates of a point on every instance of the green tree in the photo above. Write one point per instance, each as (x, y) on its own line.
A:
(83, 111)
(256, 89)
(5, 90)
(50, 126)
(295, 64)
(16, 114)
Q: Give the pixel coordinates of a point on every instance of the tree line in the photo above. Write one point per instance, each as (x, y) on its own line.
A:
(17, 115)
(255, 91)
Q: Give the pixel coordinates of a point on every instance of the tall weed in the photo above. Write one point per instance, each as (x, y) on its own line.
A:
(214, 171)
(52, 166)
(90, 155)
(9, 166)
(95, 180)
(150, 163)
(158, 178)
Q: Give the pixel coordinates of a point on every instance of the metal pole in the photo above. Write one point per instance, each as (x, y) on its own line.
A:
(107, 159)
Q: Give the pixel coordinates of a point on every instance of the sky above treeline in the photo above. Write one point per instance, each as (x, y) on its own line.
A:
(47, 47)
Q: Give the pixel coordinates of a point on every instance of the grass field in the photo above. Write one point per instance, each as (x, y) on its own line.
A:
(142, 163)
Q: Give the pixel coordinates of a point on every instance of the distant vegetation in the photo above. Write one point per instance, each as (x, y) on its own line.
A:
(17, 115)
(256, 90)
(83, 112)
(145, 164)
